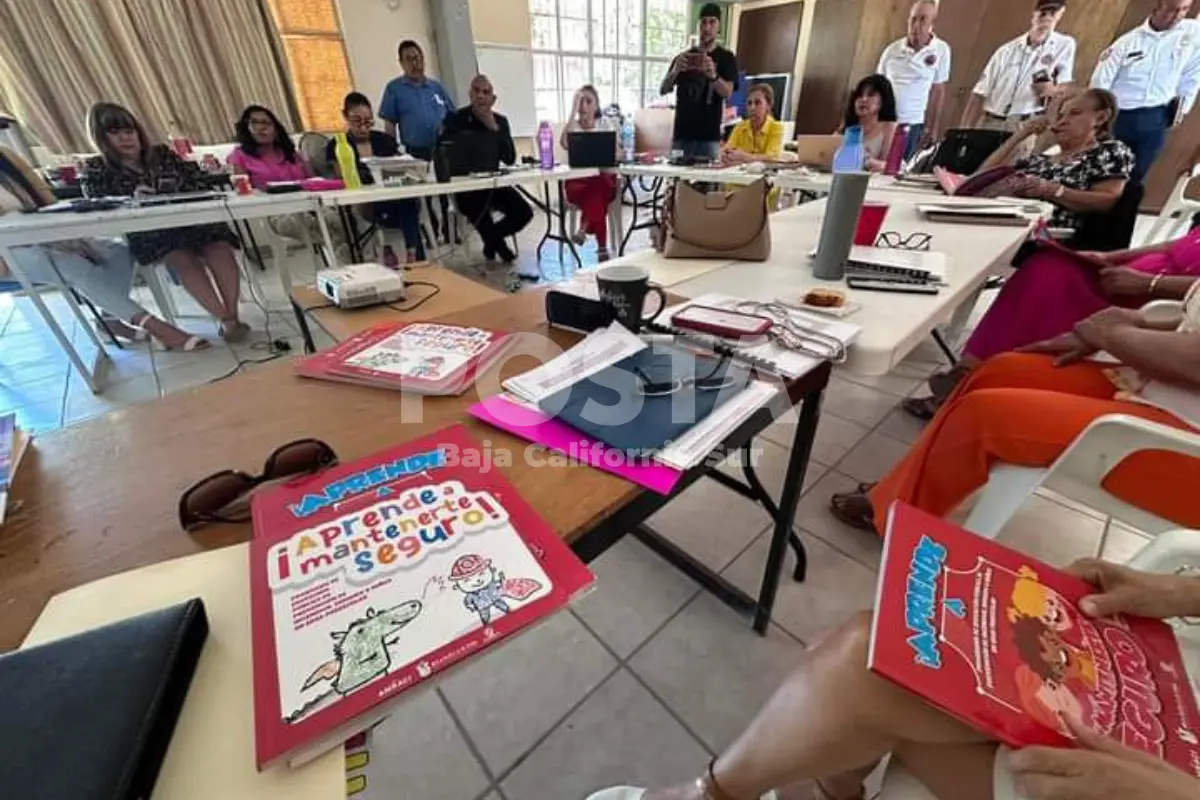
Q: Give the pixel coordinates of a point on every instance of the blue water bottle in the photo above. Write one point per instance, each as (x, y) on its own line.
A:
(849, 157)
(628, 137)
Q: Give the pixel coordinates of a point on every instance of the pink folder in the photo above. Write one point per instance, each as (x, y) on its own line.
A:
(534, 426)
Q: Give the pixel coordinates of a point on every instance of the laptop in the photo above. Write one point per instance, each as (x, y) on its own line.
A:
(592, 149)
(817, 151)
(467, 152)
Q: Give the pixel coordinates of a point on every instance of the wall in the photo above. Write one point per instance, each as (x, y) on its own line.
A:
(372, 30)
(501, 22)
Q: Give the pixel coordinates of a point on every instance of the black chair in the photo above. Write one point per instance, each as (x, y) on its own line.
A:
(963, 150)
(1105, 233)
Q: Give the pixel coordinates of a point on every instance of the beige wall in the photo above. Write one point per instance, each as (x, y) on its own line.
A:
(801, 47)
(372, 30)
(501, 21)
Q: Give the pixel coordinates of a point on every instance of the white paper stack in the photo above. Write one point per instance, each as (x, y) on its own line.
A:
(599, 350)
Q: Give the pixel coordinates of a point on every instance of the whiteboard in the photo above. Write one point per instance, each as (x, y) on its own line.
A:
(511, 72)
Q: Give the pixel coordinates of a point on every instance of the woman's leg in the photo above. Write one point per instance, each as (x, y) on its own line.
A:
(222, 261)
(831, 716)
(408, 217)
(190, 270)
(1019, 409)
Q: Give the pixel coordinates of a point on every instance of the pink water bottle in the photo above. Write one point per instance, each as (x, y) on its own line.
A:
(895, 158)
(545, 142)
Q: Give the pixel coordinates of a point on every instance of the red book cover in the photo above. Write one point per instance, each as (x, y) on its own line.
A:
(995, 638)
(419, 357)
(371, 577)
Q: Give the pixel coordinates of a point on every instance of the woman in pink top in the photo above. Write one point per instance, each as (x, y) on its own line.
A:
(265, 150)
(1054, 290)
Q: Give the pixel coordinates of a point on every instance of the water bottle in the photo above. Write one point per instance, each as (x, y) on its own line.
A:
(849, 157)
(628, 137)
(895, 156)
(545, 145)
(347, 163)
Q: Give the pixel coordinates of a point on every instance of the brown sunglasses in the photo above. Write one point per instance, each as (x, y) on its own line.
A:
(213, 499)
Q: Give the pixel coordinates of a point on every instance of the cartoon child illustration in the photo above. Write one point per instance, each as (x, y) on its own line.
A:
(360, 653)
(485, 588)
(429, 367)
(1030, 598)
(1044, 681)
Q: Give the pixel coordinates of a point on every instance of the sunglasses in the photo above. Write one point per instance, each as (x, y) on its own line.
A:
(221, 496)
(648, 387)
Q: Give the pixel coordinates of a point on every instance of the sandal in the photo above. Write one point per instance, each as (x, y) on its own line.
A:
(924, 408)
(234, 331)
(943, 384)
(854, 508)
(192, 344)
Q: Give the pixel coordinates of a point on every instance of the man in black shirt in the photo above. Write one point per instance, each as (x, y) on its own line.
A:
(479, 206)
(702, 77)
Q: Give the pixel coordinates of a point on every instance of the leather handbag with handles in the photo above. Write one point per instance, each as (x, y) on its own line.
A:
(731, 224)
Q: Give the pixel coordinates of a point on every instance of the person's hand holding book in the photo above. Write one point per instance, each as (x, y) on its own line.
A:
(1141, 594)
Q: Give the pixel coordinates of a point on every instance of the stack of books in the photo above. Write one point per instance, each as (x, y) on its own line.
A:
(426, 358)
(13, 444)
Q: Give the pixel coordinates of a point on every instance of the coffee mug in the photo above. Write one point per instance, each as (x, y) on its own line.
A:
(623, 289)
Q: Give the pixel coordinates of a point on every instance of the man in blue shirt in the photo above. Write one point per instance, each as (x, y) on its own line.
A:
(414, 106)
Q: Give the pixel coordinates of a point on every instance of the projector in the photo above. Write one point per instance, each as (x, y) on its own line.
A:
(360, 285)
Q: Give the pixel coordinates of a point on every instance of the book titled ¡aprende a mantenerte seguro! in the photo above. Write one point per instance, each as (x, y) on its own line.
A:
(996, 639)
(371, 577)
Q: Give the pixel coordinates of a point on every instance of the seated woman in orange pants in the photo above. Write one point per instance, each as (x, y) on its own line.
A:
(592, 196)
(1026, 408)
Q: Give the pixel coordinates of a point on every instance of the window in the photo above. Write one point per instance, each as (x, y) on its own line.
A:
(316, 55)
(622, 47)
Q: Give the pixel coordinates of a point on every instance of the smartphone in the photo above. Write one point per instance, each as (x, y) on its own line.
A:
(721, 322)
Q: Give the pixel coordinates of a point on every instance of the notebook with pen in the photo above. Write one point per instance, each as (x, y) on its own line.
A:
(647, 399)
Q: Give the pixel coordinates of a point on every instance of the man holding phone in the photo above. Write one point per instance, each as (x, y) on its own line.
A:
(702, 77)
(1023, 76)
(1154, 70)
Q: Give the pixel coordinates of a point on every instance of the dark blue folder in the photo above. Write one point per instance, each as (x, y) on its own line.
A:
(649, 399)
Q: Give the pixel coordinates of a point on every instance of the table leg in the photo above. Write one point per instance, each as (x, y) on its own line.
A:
(286, 279)
(802, 443)
(326, 237)
(350, 228)
(310, 346)
(562, 223)
(91, 375)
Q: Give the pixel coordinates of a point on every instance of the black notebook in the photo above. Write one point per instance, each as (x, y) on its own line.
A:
(651, 398)
(90, 716)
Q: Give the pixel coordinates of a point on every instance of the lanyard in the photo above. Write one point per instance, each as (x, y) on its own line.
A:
(1026, 73)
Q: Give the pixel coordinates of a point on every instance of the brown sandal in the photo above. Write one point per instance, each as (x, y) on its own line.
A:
(854, 508)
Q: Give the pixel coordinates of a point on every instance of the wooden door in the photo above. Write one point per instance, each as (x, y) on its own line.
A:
(827, 68)
(768, 37)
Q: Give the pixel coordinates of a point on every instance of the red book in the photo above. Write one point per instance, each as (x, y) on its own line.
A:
(372, 577)
(421, 357)
(995, 638)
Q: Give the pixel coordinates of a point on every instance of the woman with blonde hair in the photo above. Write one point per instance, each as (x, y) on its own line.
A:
(201, 256)
(759, 137)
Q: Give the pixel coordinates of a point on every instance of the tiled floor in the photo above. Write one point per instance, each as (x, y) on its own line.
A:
(645, 678)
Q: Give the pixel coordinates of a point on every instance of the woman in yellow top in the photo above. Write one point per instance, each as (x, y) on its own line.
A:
(760, 136)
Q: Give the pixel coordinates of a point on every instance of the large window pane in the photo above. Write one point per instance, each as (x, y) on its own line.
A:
(545, 33)
(545, 71)
(543, 7)
(547, 105)
(574, 73)
(320, 77)
(305, 16)
(629, 85)
(574, 35)
(605, 80)
(573, 8)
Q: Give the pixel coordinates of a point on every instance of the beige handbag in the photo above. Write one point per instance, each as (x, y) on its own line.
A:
(730, 224)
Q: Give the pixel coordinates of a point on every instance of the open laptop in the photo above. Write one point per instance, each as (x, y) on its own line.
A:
(817, 151)
(467, 152)
(592, 149)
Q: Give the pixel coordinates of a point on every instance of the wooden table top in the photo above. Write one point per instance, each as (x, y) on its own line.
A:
(100, 498)
(453, 293)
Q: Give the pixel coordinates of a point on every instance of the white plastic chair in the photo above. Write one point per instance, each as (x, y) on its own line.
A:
(1184, 201)
(1173, 552)
(1080, 471)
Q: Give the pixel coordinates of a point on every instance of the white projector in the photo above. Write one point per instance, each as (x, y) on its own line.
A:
(360, 285)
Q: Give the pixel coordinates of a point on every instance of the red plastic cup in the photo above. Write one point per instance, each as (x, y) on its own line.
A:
(241, 184)
(870, 223)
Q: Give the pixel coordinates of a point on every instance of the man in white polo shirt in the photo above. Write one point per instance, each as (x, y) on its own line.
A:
(1023, 75)
(918, 67)
(1148, 69)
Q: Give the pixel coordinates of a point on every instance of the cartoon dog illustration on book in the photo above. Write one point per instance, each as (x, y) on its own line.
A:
(360, 653)
(485, 589)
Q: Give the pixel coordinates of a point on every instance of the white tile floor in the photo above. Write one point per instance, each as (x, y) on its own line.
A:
(644, 679)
